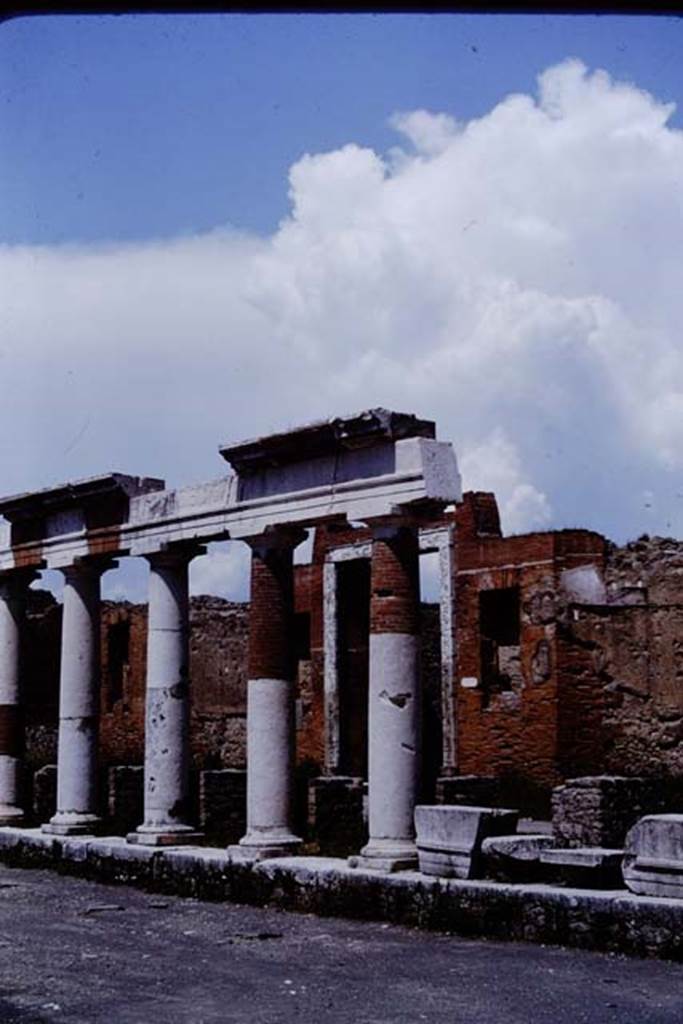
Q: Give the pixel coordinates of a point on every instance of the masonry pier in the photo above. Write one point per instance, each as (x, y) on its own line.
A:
(270, 700)
(394, 700)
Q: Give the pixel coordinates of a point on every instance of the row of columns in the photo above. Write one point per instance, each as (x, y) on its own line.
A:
(394, 711)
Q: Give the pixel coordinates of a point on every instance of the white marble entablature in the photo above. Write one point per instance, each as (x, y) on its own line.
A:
(376, 475)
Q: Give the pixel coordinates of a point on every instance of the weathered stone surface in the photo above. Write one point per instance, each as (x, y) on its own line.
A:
(44, 793)
(653, 863)
(125, 798)
(223, 804)
(77, 777)
(514, 858)
(335, 814)
(218, 651)
(535, 827)
(614, 669)
(449, 838)
(619, 922)
(324, 437)
(599, 810)
(588, 867)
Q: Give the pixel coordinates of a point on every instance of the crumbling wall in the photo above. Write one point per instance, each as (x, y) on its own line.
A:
(508, 674)
(310, 707)
(40, 677)
(594, 684)
(629, 653)
(219, 635)
(508, 732)
(430, 683)
(218, 645)
(122, 693)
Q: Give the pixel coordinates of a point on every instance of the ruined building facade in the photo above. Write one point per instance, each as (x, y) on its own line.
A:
(551, 655)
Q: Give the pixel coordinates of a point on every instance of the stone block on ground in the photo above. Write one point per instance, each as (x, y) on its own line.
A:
(653, 860)
(450, 837)
(588, 867)
(335, 814)
(125, 786)
(598, 810)
(223, 804)
(515, 858)
(44, 793)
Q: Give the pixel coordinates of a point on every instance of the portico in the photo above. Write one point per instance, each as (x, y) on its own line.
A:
(382, 468)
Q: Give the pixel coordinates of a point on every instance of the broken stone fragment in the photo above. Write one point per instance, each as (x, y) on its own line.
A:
(515, 858)
(450, 837)
(653, 861)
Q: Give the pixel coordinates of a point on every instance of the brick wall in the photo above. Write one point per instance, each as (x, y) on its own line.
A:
(218, 643)
(509, 677)
(583, 689)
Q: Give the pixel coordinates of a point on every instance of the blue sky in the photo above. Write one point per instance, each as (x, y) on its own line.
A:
(144, 126)
(215, 226)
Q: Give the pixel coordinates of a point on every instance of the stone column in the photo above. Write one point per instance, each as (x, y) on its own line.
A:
(394, 700)
(167, 710)
(79, 701)
(13, 588)
(270, 701)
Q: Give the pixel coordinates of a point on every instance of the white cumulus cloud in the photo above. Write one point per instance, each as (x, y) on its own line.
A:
(515, 277)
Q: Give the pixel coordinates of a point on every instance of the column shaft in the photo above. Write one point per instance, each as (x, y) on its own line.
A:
(79, 702)
(270, 704)
(394, 701)
(12, 600)
(167, 711)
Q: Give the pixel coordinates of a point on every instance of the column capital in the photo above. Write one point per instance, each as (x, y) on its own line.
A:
(174, 556)
(386, 527)
(14, 582)
(88, 566)
(390, 530)
(277, 538)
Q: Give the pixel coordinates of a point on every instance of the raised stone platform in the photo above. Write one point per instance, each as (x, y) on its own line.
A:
(615, 921)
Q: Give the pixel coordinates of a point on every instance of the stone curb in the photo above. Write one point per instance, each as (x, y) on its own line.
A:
(610, 921)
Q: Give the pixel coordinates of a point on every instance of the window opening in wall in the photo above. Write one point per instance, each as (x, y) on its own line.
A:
(118, 661)
(499, 631)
